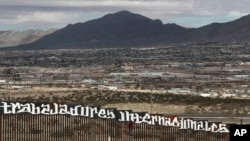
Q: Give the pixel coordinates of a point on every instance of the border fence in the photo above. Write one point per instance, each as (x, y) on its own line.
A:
(30, 127)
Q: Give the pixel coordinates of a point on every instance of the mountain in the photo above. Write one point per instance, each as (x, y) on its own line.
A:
(121, 29)
(237, 30)
(13, 38)
(126, 29)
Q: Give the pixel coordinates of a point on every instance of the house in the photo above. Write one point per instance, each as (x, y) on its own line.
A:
(113, 88)
(88, 81)
(16, 87)
(205, 94)
(2, 81)
(179, 91)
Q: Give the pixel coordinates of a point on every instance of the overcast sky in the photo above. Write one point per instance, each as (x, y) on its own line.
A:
(45, 14)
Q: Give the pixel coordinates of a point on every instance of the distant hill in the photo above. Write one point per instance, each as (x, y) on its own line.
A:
(237, 30)
(126, 29)
(13, 38)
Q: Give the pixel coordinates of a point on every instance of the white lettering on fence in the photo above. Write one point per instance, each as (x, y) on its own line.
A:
(91, 112)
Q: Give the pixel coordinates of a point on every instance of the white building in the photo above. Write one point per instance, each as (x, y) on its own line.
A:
(205, 94)
(228, 95)
(113, 88)
(179, 91)
(2, 81)
(89, 81)
(19, 87)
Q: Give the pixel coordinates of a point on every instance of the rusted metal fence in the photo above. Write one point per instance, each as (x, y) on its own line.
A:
(28, 127)
(70, 128)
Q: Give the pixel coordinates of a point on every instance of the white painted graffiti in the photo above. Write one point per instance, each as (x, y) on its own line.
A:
(91, 112)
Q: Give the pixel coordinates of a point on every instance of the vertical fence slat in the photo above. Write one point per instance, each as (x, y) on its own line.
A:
(26, 127)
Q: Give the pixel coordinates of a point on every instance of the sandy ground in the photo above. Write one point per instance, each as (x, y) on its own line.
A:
(154, 108)
(169, 108)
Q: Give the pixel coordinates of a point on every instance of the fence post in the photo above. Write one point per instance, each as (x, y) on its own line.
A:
(92, 130)
(109, 138)
(1, 116)
(131, 130)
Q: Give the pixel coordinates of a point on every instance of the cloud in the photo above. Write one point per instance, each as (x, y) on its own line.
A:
(57, 13)
(43, 17)
(38, 18)
(237, 13)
